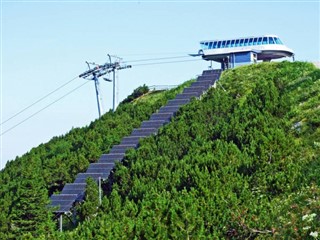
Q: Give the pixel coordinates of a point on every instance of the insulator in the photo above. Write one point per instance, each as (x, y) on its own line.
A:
(89, 72)
(101, 73)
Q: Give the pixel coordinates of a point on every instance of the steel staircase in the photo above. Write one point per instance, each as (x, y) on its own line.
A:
(75, 192)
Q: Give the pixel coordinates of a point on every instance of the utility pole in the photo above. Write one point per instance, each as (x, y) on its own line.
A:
(97, 86)
(115, 66)
(114, 86)
(98, 71)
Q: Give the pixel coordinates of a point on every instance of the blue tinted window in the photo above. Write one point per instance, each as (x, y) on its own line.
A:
(215, 44)
(241, 42)
(237, 43)
(265, 40)
(232, 43)
(228, 43)
(246, 41)
(278, 41)
(255, 41)
(223, 44)
(219, 44)
(210, 45)
(251, 42)
(259, 40)
(271, 40)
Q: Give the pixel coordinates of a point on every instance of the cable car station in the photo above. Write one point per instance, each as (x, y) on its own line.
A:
(231, 53)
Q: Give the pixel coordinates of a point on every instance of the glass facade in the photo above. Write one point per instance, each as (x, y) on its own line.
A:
(240, 42)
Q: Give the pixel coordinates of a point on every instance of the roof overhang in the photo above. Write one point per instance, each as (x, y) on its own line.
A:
(220, 57)
(268, 52)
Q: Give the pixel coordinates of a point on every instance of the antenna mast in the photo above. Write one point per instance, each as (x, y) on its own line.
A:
(98, 71)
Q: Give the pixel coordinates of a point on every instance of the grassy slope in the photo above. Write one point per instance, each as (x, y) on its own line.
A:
(241, 163)
(58, 161)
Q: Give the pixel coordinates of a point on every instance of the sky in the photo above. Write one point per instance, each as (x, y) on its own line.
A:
(45, 44)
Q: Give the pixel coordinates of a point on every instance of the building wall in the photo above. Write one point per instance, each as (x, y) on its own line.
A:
(242, 58)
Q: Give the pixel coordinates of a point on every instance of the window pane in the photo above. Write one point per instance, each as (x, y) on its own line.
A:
(251, 42)
(279, 41)
(271, 40)
(232, 43)
(210, 45)
(237, 43)
(246, 41)
(241, 42)
(223, 44)
(215, 44)
(228, 43)
(205, 45)
(255, 41)
(260, 41)
(265, 40)
(219, 44)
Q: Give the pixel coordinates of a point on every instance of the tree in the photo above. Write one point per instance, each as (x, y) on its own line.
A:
(89, 207)
(30, 215)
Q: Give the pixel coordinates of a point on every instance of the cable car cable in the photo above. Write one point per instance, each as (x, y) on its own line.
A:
(34, 114)
(39, 100)
(155, 59)
(142, 64)
(149, 54)
(156, 63)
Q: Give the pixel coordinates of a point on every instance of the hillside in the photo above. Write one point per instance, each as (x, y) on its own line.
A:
(28, 181)
(241, 162)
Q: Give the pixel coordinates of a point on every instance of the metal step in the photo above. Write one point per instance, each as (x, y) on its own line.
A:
(74, 188)
(212, 72)
(99, 170)
(111, 157)
(131, 140)
(153, 123)
(197, 89)
(143, 132)
(168, 109)
(82, 177)
(161, 116)
(204, 84)
(122, 148)
(178, 102)
(188, 95)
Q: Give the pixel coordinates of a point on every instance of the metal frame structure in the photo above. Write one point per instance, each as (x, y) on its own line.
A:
(74, 193)
(100, 70)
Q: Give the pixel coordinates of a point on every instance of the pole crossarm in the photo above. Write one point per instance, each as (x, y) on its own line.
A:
(98, 71)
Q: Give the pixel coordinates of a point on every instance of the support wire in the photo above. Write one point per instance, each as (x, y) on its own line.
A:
(39, 100)
(34, 114)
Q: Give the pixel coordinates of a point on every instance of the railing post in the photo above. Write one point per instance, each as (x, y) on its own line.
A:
(60, 223)
(100, 201)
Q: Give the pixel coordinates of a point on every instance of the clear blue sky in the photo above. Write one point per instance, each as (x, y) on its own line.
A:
(44, 44)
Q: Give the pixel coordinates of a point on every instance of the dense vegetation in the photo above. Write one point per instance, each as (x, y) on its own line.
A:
(28, 181)
(241, 162)
(138, 92)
